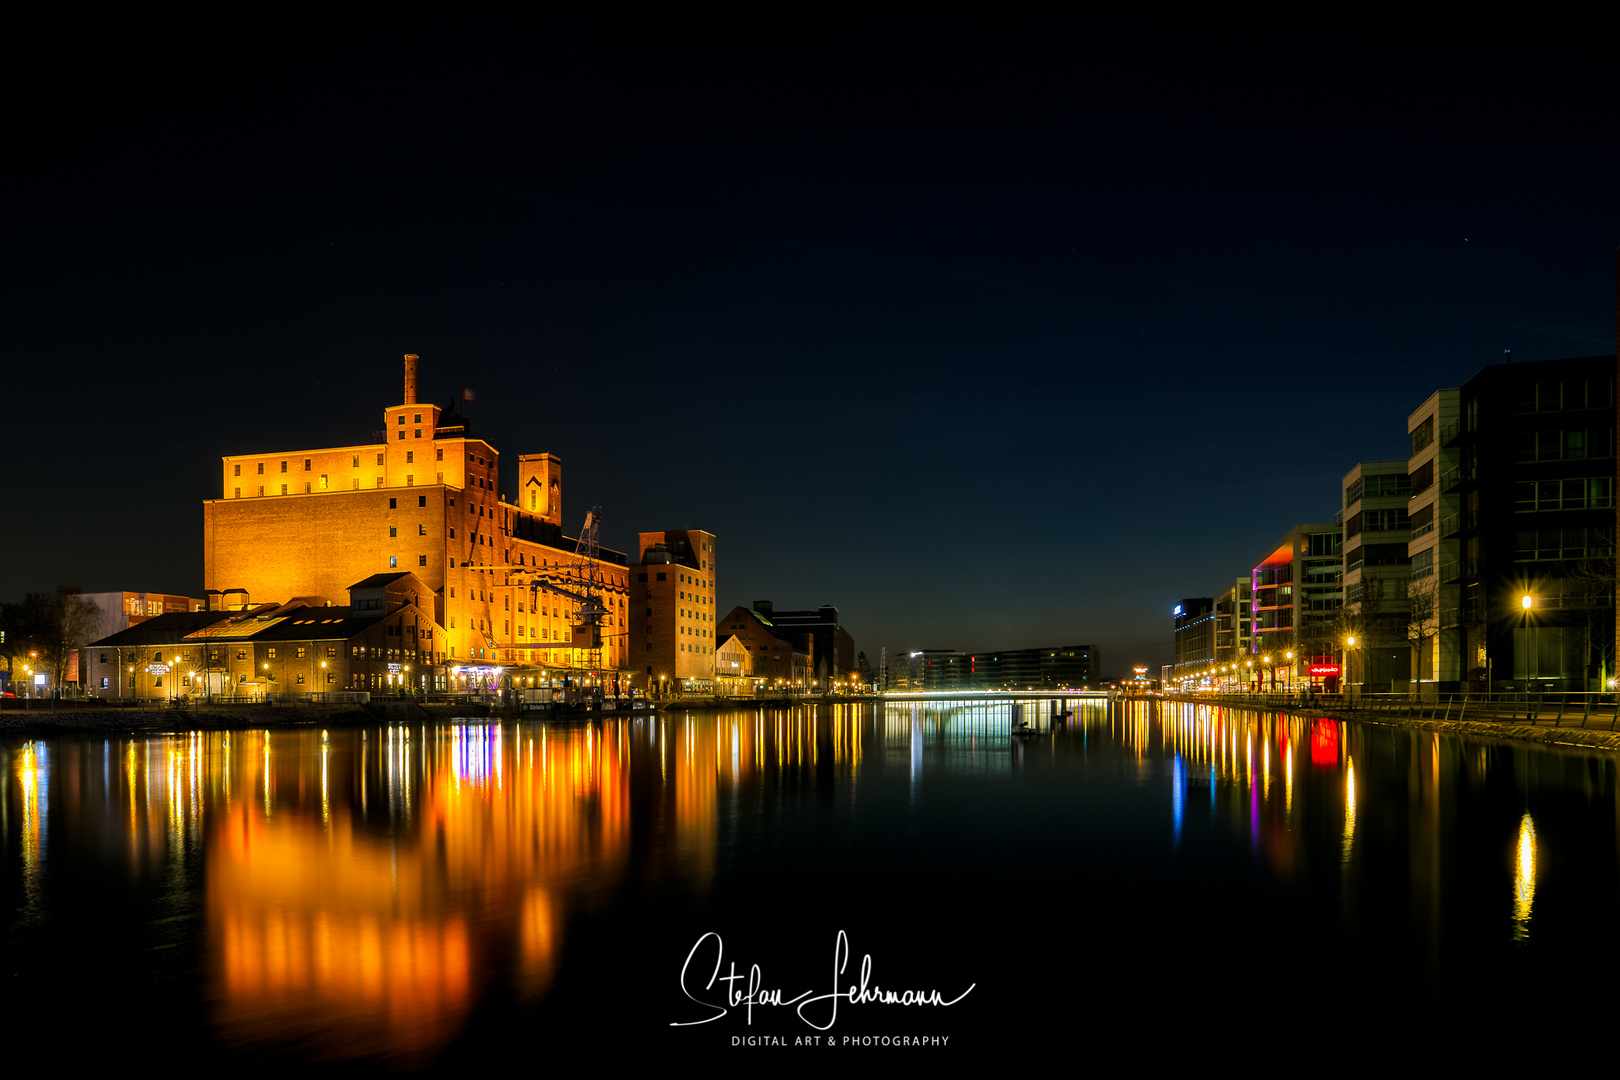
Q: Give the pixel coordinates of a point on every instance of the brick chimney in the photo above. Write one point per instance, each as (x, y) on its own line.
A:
(410, 378)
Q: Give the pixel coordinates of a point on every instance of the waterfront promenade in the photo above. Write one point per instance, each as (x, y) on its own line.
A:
(1572, 719)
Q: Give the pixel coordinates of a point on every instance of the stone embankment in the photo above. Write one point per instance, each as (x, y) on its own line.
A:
(1551, 727)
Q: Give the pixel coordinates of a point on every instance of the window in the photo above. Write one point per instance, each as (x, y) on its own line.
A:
(261, 468)
(410, 481)
(270, 653)
(379, 459)
(306, 464)
(410, 457)
(393, 561)
(402, 433)
(306, 487)
(418, 433)
(421, 530)
(357, 461)
(300, 652)
(331, 650)
(379, 481)
(238, 469)
(393, 530)
(284, 489)
(441, 454)
(417, 419)
(421, 560)
(401, 419)
(238, 493)
(283, 466)
(452, 536)
(421, 500)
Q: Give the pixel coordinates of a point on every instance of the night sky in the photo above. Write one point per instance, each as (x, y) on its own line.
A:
(992, 333)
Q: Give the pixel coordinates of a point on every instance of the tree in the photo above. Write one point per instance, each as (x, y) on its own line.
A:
(42, 630)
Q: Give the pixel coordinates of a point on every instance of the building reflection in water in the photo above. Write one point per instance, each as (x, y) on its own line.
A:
(362, 892)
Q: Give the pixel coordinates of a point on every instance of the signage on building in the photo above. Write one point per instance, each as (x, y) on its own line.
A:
(157, 669)
(394, 669)
(1323, 669)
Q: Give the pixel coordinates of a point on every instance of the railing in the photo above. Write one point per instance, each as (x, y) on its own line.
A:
(1557, 709)
(1450, 430)
(1423, 530)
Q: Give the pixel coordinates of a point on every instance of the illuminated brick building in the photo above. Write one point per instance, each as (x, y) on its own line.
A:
(306, 524)
(381, 641)
(672, 634)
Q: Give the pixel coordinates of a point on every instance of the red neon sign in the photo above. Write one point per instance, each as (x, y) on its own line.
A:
(1323, 669)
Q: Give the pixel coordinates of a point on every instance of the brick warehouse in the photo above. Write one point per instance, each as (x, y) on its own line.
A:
(672, 639)
(306, 524)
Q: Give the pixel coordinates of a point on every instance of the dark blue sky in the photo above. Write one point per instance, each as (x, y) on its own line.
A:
(992, 333)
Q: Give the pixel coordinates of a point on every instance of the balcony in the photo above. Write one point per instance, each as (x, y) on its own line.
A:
(1455, 477)
(1423, 530)
(1463, 521)
(1458, 570)
(1450, 431)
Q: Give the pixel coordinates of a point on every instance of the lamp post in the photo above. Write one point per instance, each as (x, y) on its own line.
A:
(1526, 603)
(1350, 643)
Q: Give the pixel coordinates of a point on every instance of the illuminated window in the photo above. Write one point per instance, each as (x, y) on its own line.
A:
(300, 678)
(393, 560)
(300, 652)
(331, 650)
(323, 481)
(270, 653)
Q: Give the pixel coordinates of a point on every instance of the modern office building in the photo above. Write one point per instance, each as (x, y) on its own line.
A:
(672, 626)
(830, 644)
(1297, 591)
(1052, 668)
(1517, 555)
(1195, 637)
(1377, 531)
(501, 578)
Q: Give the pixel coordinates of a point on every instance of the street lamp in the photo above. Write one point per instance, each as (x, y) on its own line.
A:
(1525, 605)
(1350, 643)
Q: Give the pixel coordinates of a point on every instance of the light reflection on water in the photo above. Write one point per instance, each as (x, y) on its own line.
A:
(369, 893)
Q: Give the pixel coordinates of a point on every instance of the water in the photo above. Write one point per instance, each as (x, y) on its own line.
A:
(424, 896)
